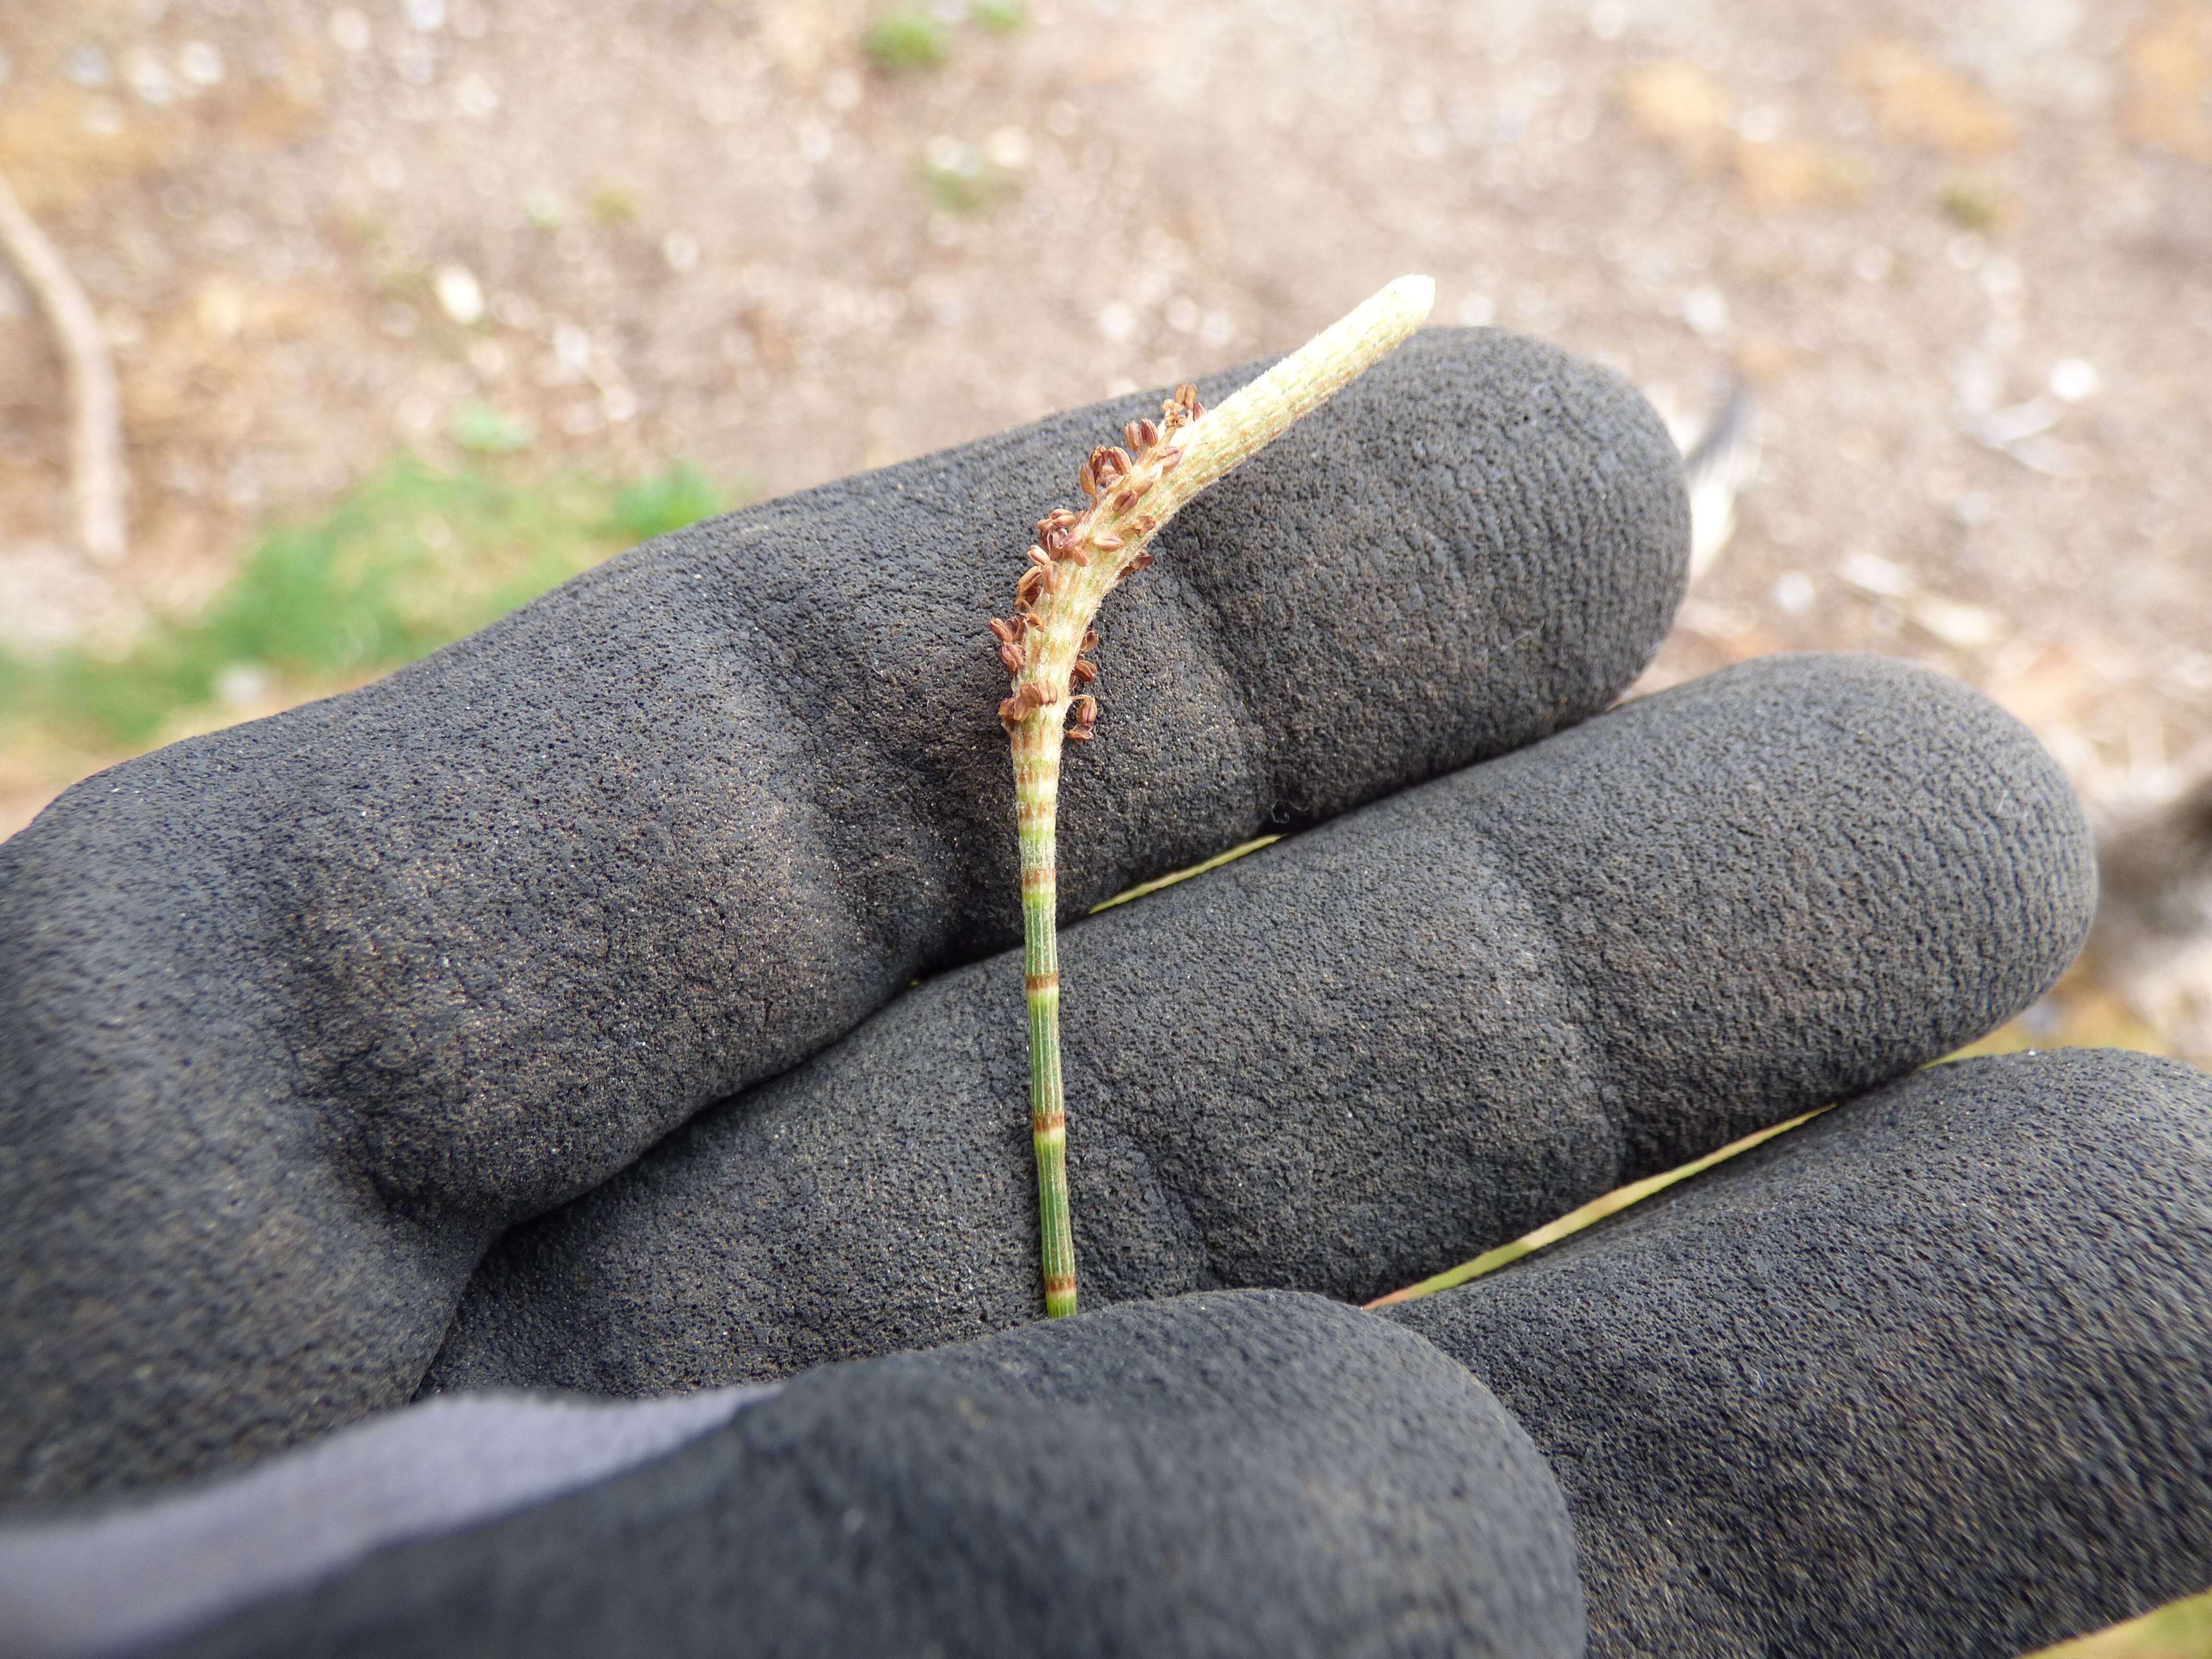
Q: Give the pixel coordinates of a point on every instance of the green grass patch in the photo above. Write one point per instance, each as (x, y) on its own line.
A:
(910, 38)
(958, 179)
(408, 560)
(901, 42)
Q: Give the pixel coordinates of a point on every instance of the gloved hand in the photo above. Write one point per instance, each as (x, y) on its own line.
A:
(1927, 1377)
(295, 1018)
(299, 1018)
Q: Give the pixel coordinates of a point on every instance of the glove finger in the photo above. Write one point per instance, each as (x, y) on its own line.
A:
(1261, 1474)
(1931, 1375)
(1349, 1060)
(116, 1576)
(295, 1017)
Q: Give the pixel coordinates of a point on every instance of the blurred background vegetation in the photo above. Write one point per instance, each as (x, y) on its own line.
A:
(417, 308)
(411, 558)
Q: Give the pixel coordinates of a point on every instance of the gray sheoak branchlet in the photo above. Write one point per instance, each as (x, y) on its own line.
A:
(295, 1017)
(1076, 562)
(1932, 1375)
(1351, 1060)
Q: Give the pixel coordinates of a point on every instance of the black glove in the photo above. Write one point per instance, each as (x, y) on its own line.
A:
(1931, 1375)
(296, 1018)
(1347, 1061)
(303, 1015)
(1256, 1473)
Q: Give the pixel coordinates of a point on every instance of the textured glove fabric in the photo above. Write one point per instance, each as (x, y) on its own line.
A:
(295, 1017)
(1262, 1475)
(122, 1575)
(1347, 1061)
(1932, 1375)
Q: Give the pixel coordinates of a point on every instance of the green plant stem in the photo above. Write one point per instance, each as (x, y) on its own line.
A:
(1078, 559)
(1036, 793)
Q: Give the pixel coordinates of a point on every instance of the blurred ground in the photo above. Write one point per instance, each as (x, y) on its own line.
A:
(1962, 254)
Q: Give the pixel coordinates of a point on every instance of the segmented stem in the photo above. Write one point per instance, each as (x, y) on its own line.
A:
(1077, 561)
(1036, 793)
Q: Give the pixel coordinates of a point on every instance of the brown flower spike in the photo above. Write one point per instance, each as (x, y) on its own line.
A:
(1078, 559)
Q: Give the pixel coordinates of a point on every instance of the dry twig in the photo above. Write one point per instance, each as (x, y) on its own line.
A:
(97, 479)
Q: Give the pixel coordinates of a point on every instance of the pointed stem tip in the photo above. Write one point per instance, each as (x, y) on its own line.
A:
(1260, 411)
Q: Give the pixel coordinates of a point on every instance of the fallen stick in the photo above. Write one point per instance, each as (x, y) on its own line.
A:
(96, 473)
